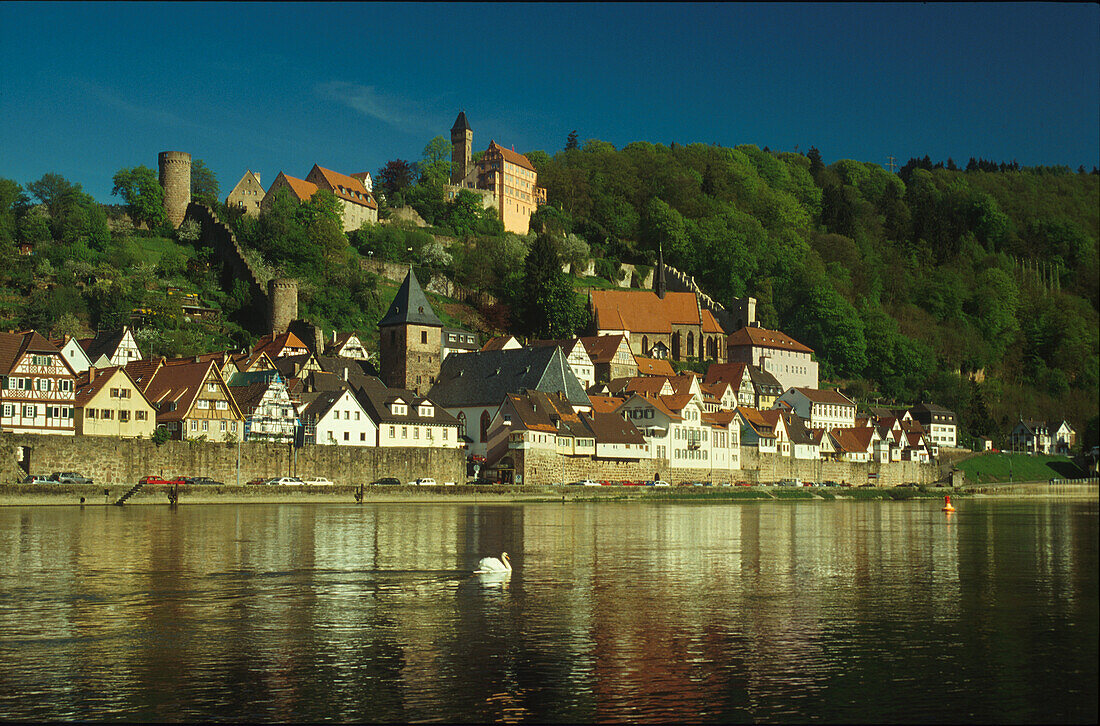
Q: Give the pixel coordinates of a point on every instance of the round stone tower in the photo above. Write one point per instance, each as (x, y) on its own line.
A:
(282, 297)
(175, 179)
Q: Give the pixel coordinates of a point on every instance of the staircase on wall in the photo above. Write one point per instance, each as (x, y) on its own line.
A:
(134, 490)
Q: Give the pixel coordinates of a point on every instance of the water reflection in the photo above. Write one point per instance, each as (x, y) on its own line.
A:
(834, 611)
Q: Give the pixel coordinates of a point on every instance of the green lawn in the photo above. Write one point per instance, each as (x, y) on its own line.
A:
(1003, 467)
(153, 248)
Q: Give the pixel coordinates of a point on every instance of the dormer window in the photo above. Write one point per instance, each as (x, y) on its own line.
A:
(426, 411)
(399, 408)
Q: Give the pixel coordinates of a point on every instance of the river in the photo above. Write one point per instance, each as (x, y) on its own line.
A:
(837, 611)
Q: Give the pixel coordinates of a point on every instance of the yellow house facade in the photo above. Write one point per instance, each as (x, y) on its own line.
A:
(109, 403)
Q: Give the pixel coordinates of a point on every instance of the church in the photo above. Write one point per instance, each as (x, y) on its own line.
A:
(658, 323)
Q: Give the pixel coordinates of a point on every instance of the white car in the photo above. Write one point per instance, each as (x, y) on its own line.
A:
(426, 482)
(284, 480)
(659, 483)
(318, 481)
(588, 483)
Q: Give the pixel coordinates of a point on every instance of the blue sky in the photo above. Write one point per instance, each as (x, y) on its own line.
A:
(89, 88)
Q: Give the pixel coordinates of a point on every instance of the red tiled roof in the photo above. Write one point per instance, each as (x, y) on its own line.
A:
(497, 343)
(764, 338)
(300, 187)
(512, 156)
(654, 367)
(346, 187)
(602, 348)
(732, 373)
(605, 404)
(646, 385)
(853, 440)
(641, 311)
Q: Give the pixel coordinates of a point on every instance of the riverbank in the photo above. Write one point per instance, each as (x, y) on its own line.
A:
(97, 495)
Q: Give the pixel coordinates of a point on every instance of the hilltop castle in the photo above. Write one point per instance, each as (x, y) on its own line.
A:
(505, 180)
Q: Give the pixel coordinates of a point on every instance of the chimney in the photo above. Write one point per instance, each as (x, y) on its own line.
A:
(91, 374)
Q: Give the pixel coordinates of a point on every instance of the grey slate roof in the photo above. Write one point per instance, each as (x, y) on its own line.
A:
(461, 124)
(410, 306)
(376, 402)
(482, 378)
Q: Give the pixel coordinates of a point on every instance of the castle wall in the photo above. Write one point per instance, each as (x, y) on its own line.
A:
(219, 237)
(111, 461)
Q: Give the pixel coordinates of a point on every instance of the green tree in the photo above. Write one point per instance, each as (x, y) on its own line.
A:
(546, 306)
(144, 197)
(204, 184)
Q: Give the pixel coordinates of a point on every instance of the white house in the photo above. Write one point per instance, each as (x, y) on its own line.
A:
(821, 409)
(405, 419)
(337, 417)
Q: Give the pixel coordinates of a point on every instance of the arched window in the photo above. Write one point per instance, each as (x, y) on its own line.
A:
(484, 425)
(691, 345)
(676, 346)
(645, 345)
(462, 423)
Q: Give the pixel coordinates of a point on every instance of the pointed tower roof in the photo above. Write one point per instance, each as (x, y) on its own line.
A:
(461, 124)
(659, 285)
(410, 306)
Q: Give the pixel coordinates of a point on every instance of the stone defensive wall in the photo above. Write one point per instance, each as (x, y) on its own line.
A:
(756, 469)
(113, 462)
(219, 237)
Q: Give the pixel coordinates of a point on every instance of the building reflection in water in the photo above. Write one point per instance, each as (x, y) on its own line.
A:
(641, 611)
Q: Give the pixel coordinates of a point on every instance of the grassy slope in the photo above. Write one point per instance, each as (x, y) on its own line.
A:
(1003, 467)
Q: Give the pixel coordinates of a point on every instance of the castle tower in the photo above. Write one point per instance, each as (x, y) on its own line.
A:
(462, 148)
(282, 299)
(411, 344)
(175, 179)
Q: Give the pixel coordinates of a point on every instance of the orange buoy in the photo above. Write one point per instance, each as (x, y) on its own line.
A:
(947, 504)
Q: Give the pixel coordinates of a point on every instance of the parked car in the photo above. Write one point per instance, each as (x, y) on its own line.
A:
(284, 481)
(790, 483)
(742, 483)
(657, 483)
(202, 481)
(425, 481)
(152, 480)
(36, 480)
(69, 477)
(480, 482)
(387, 480)
(318, 481)
(585, 483)
(257, 482)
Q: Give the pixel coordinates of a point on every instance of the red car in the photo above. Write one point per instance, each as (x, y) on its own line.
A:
(156, 480)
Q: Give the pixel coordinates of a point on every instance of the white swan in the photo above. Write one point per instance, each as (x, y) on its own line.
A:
(489, 565)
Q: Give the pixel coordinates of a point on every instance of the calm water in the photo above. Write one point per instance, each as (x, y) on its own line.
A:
(823, 611)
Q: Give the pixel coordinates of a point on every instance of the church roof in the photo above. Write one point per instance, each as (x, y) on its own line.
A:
(410, 306)
(641, 311)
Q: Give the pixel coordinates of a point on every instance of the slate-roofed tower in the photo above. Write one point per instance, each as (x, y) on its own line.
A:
(410, 345)
(462, 148)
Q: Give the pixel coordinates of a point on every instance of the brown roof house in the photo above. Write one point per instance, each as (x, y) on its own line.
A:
(191, 398)
(36, 386)
(779, 354)
(356, 201)
(675, 321)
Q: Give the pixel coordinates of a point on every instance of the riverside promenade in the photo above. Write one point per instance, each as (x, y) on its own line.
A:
(99, 495)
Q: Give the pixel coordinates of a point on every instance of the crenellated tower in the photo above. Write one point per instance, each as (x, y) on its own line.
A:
(175, 180)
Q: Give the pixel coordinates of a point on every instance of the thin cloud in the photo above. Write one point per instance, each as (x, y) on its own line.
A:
(142, 113)
(391, 110)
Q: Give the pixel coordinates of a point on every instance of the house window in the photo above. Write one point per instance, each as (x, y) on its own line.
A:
(392, 434)
(404, 432)
(141, 415)
(124, 416)
(346, 436)
(362, 435)
(221, 405)
(205, 425)
(107, 414)
(91, 412)
(194, 425)
(423, 336)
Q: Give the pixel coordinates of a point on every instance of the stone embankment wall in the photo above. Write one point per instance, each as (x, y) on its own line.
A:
(539, 467)
(111, 461)
(218, 236)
